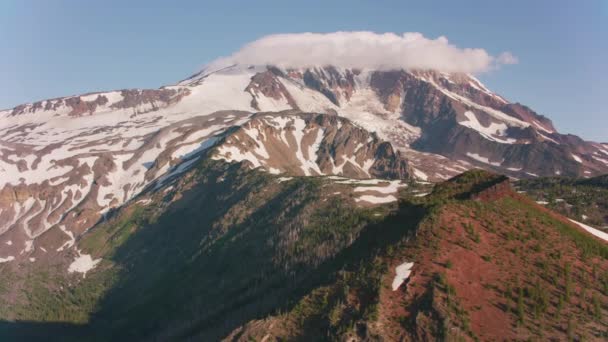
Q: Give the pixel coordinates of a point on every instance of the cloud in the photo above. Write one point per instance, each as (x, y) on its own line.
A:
(507, 58)
(410, 50)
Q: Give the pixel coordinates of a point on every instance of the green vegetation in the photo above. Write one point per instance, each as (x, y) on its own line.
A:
(471, 232)
(208, 251)
(458, 316)
(329, 312)
(465, 185)
(573, 198)
(589, 245)
(211, 256)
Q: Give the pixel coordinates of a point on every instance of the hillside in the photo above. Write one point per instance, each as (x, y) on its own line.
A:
(486, 264)
(583, 200)
(229, 252)
(204, 252)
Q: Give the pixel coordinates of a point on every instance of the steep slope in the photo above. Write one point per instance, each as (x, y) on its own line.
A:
(58, 181)
(66, 162)
(201, 254)
(229, 252)
(312, 144)
(453, 115)
(484, 264)
(65, 189)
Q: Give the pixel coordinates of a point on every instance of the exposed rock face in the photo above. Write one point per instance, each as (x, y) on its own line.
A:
(389, 87)
(153, 99)
(389, 163)
(463, 120)
(307, 144)
(139, 101)
(266, 85)
(80, 107)
(336, 85)
(524, 113)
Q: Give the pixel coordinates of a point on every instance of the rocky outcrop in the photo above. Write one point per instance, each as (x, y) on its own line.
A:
(267, 84)
(389, 87)
(138, 100)
(390, 163)
(524, 113)
(80, 107)
(337, 86)
(309, 144)
(153, 99)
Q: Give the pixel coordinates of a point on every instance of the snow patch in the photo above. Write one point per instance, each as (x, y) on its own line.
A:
(376, 199)
(343, 180)
(234, 154)
(490, 132)
(82, 264)
(29, 246)
(402, 272)
(548, 138)
(144, 201)
(68, 243)
(577, 158)
(7, 259)
(482, 159)
(420, 175)
(391, 188)
(422, 194)
(596, 232)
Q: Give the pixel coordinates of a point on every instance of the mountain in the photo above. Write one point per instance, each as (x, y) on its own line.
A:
(226, 252)
(451, 115)
(67, 162)
(490, 265)
(213, 207)
(312, 145)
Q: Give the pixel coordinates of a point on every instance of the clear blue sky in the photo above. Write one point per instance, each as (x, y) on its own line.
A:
(57, 48)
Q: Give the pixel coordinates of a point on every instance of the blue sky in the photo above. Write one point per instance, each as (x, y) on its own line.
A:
(57, 48)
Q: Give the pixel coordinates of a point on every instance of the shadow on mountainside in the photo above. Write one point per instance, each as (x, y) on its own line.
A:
(43, 331)
(232, 247)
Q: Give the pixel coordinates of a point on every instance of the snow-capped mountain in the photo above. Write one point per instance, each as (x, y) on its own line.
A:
(66, 162)
(426, 114)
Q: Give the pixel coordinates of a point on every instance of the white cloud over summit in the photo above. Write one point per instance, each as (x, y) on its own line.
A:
(410, 50)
